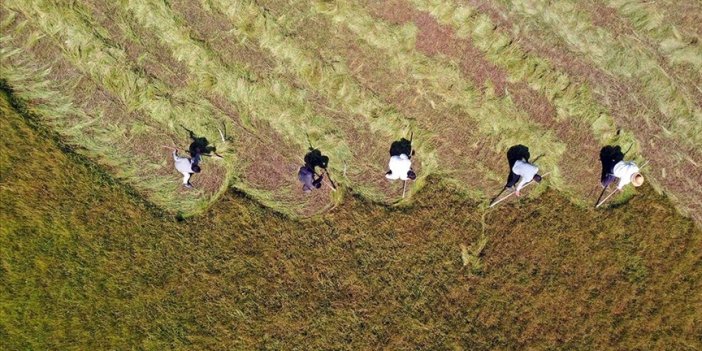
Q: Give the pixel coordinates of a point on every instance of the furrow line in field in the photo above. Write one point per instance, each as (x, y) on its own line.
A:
(620, 56)
(333, 80)
(573, 100)
(106, 65)
(493, 115)
(279, 104)
(570, 99)
(574, 105)
(54, 103)
(273, 183)
(680, 47)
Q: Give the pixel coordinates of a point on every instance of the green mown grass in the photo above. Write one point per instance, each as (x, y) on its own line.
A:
(86, 263)
(679, 47)
(621, 56)
(96, 57)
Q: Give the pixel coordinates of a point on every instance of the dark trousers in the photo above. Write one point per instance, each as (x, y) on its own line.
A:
(512, 179)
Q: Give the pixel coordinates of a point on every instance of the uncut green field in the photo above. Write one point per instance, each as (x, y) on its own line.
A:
(95, 92)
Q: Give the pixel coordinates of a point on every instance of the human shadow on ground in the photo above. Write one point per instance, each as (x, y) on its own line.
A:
(200, 145)
(514, 154)
(402, 146)
(610, 155)
(314, 158)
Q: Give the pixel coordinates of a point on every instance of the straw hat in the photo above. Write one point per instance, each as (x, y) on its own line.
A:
(637, 179)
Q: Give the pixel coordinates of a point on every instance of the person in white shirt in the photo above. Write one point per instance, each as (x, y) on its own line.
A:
(186, 166)
(522, 172)
(627, 172)
(400, 168)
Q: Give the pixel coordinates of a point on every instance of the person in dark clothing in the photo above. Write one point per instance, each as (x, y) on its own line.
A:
(306, 175)
(609, 156)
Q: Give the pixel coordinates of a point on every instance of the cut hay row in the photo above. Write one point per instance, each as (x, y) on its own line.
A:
(332, 80)
(494, 116)
(570, 99)
(54, 102)
(284, 107)
(619, 56)
(679, 47)
(106, 64)
(248, 142)
(246, 146)
(467, 157)
(573, 102)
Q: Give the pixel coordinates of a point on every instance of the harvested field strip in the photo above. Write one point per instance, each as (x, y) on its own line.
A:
(106, 64)
(32, 82)
(37, 83)
(467, 157)
(493, 115)
(575, 107)
(455, 142)
(619, 56)
(282, 106)
(141, 47)
(571, 100)
(679, 47)
(659, 147)
(246, 151)
(333, 81)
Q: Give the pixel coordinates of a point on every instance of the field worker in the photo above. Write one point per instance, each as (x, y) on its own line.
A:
(524, 172)
(627, 172)
(186, 166)
(400, 168)
(306, 176)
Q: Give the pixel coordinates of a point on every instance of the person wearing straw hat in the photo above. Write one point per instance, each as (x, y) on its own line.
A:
(186, 166)
(627, 172)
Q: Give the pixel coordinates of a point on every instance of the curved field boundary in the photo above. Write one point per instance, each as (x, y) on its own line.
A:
(572, 100)
(619, 56)
(253, 23)
(55, 103)
(279, 104)
(679, 47)
(492, 115)
(105, 65)
(273, 184)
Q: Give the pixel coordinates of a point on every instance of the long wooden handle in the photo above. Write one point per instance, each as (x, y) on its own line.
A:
(606, 198)
(510, 194)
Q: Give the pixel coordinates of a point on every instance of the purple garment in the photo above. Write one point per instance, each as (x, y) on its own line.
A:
(306, 177)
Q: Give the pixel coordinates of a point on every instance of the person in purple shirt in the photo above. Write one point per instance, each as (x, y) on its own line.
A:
(306, 175)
